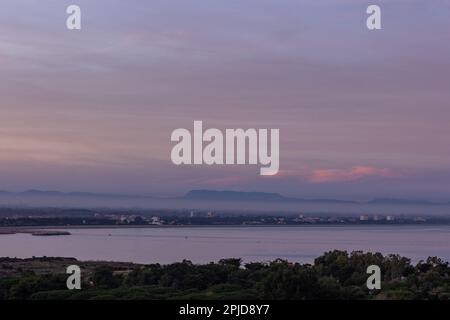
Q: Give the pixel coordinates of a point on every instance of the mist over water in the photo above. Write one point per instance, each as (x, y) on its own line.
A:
(246, 207)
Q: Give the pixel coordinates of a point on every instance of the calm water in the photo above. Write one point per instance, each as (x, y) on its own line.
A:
(166, 245)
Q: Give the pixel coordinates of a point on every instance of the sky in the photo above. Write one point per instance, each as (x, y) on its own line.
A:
(361, 113)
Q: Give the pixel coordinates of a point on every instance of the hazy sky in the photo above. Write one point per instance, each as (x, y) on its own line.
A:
(361, 113)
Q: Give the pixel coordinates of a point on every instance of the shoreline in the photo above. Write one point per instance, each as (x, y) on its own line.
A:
(33, 229)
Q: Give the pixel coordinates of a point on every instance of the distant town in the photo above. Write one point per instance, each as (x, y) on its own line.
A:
(76, 217)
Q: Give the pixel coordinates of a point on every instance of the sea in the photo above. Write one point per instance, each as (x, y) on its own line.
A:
(252, 244)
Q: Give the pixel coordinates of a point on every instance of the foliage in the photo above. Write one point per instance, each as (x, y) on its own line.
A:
(334, 275)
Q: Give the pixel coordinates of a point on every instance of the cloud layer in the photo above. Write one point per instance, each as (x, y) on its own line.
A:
(93, 110)
(352, 174)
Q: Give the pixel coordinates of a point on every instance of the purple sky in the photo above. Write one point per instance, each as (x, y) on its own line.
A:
(361, 113)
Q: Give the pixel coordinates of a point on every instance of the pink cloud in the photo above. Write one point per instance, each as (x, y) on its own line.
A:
(352, 174)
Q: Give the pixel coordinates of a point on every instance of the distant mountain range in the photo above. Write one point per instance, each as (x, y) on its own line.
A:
(264, 196)
(59, 193)
(226, 195)
(250, 196)
(233, 195)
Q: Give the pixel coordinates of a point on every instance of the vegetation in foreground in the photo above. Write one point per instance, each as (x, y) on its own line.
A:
(334, 275)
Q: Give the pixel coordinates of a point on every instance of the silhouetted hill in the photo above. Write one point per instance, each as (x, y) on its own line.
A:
(250, 196)
(233, 195)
